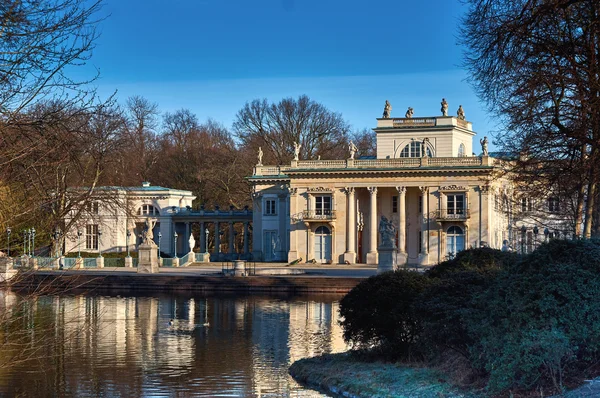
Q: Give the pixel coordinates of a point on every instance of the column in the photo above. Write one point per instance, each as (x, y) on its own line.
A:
(424, 225)
(231, 238)
(202, 238)
(401, 220)
(246, 238)
(350, 254)
(372, 257)
(186, 243)
(310, 245)
(294, 226)
(217, 240)
(284, 221)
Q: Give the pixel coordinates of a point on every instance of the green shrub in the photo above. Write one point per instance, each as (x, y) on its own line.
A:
(484, 258)
(539, 321)
(379, 313)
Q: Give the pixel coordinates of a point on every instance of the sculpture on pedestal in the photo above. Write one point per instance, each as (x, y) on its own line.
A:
(409, 113)
(388, 233)
(147, 233)
(192, 242)
(484, 146)
(460, 113)
(297, 150)
(387, 110)
(353, 149)
(444, 107)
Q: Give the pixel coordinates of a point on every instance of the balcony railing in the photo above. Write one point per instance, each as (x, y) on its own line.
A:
(318, 215)
(452, 214)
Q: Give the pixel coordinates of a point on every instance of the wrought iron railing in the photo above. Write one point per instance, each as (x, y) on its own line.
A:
(318, 215)
(453, 214)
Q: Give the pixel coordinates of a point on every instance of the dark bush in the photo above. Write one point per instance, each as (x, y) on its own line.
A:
(379, 313)
(539, 321)
(484, 258)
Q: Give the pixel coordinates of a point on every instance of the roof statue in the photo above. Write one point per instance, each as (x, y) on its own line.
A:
(444, 107)
(387, 110)
(353, 149)
(297, 150)
(484, 146)
(409, 113)
(460, 113)
(260, 156)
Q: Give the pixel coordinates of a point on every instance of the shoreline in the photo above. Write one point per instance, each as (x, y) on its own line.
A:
(342, 375)
(182, 282)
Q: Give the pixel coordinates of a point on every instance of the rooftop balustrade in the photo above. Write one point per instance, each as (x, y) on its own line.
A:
(298, 165)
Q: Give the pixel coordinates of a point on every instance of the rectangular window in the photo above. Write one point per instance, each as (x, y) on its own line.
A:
(93, 207)
(394, 204)
(456, 204)
(91, 236)
(553, 205)
(420, 240)
(421, 204)
(270, 209)
(526, 204)
(322, 205)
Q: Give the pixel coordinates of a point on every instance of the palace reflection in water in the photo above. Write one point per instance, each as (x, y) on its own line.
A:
(95, 345)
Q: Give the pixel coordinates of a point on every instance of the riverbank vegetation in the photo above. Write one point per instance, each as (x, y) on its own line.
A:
(503, 323)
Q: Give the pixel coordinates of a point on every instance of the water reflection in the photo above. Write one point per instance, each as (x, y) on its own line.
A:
(116, 346)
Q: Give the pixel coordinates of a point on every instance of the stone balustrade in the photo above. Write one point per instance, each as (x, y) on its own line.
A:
(467, 161)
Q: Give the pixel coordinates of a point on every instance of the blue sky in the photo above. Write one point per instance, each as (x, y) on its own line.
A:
(213, 56)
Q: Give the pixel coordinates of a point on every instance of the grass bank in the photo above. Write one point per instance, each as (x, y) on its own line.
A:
(348, 376)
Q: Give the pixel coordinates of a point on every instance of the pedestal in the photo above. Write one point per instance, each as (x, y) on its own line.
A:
(175, 262)
(239, 268)
(100, 262)
(6, 269)
(372, 258)
(128, 262)
(147, 259)
(387, 255)
(349, 258)
(204, 257)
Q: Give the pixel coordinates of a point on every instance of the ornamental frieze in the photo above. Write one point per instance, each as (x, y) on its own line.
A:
(454, 188)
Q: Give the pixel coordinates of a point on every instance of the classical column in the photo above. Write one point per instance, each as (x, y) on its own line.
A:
(294, 225)
(350, 254)
(424, 223)
(217, 239)
(246, 238)
(231, 238)
(202, 238)
(309, 242)
(401, 220)
(186, 243)
(372, 257)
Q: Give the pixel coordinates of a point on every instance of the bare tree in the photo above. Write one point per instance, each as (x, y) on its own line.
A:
(275, 127)
(537, 65)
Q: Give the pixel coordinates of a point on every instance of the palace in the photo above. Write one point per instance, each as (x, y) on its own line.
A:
(425, 185)
(439, 196)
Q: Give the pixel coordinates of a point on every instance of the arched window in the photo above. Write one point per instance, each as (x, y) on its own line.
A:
(455, 240)
(147, 210)
(414, 150)
(461, 150)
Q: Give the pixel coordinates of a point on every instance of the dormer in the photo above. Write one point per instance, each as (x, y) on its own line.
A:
(440, 136)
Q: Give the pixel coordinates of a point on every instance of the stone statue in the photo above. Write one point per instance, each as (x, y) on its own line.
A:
(444, 107)
(409, 113)
(260, 155)
(353, 149)
(297, 150)
(192, 242)
(387, 110)
(484, 146)
(147, 233)
(460, 113)
(424, 147)
(388, 232)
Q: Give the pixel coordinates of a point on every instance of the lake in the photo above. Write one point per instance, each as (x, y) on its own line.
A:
(95, 345)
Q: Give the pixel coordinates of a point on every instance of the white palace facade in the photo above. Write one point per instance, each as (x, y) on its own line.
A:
(425, 179)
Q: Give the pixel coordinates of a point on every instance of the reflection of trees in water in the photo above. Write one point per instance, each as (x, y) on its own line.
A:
(103, 345)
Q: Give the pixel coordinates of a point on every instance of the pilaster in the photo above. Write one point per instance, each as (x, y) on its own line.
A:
(372, 257)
